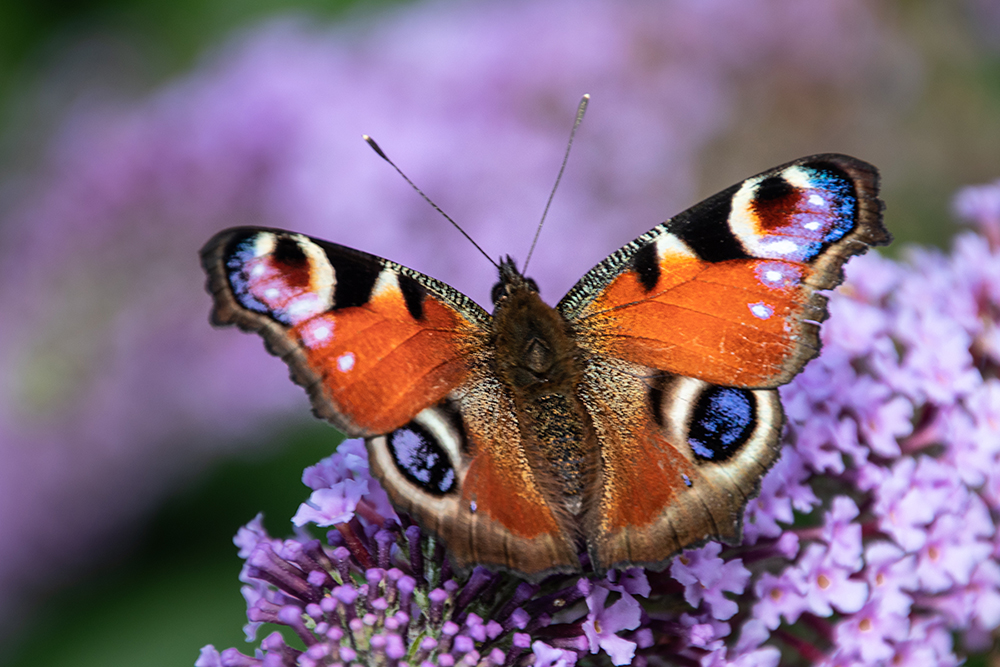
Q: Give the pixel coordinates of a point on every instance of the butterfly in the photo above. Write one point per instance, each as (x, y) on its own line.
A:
(632, 420)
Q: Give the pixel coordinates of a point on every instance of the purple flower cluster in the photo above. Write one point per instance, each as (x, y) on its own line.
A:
(873, 542)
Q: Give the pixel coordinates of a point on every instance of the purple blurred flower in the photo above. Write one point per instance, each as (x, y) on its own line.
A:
(980, 205)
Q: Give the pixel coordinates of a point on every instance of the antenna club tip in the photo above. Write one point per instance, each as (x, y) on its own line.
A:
(375, 147)
(586, 96)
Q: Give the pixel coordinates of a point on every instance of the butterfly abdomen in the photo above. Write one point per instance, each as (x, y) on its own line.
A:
(540, 361)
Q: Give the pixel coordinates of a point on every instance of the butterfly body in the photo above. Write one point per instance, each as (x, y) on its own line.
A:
(631, 420)
(538, 359)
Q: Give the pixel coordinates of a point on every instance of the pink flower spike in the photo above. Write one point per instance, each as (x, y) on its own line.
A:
(870, 633)
(952, 550)
(780, 596)
(890, 574)
(633, 581)
(843, 534)
(249, 536)
(209, 657)
(350, 459)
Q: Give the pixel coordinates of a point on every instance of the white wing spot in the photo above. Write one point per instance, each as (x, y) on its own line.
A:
(271, 293)
(783, 247)
(257, 271)
(761, 310)
(345, 362)
(669, 245)
(816, 200)
(317, 332)
(812, 225)
(264, 244)
(303, 307)
(773, 276)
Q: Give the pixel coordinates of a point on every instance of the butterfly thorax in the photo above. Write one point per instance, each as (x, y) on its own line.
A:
(538, 358)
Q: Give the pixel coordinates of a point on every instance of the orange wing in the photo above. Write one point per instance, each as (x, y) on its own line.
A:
(726, 292)
(374, 343)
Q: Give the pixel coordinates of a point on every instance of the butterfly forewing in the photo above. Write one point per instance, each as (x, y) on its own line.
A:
(374, 343)
(727, 291)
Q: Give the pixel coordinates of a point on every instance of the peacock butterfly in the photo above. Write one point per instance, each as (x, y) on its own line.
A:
(634, 419)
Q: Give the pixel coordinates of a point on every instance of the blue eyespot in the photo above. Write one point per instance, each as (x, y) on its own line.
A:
(721, 423)
(844, 199)
(421, 460)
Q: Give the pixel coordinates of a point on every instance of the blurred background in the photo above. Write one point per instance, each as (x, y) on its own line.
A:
(135, 440)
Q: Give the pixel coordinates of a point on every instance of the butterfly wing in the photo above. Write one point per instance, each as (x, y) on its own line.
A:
(460, 468)
(403, 360)
(372, 342)
(695, 323)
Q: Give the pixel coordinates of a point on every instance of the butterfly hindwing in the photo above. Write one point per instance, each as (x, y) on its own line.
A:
(680, 459)
(486, 501)
(703, 316)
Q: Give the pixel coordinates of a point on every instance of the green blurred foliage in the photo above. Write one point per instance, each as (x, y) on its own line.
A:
(174, 588)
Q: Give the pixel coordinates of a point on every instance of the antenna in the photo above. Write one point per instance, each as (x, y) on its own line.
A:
(381, 154)
(580, 110)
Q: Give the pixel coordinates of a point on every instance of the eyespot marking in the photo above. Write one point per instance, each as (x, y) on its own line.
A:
(284, 276)
(722, 421)
(796, 213)
(419, 457)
